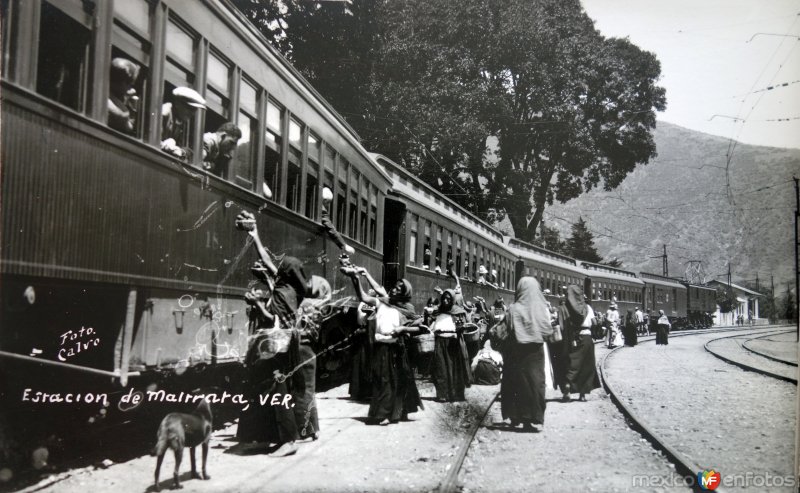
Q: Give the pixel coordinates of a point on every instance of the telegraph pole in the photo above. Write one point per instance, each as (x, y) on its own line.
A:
(664, 264)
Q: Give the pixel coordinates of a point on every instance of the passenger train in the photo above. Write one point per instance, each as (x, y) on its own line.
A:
(121, 268)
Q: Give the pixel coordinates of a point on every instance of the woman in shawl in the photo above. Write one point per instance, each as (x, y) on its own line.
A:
(450, 373)
(662, 328)
(526, 324)
(582, 375)
(631, 328)
(559, 350)
(394, 391)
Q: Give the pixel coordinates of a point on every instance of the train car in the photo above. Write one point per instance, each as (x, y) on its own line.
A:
(701, 303)
(434, 230)
(664, 293)
(121, 267)
(609, 284)
(554, 271)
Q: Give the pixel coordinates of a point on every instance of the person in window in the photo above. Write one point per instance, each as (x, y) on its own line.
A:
(175, 120)
(426, 259)
(218, 148)
(122, 97)
(482, 274)
(330, 229)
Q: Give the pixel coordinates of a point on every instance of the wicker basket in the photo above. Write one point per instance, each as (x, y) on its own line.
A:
(471, 333)
(425, 343)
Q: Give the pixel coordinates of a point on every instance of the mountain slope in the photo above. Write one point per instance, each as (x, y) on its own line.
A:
(688, 199)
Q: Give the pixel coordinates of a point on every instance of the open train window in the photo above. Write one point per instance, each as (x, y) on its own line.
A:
(352, 220)
(272, 148)
(177, 121)
(312, 175)
(293, 175)
(5, 28)
(373, 217)
(243, 169)
(412, 238)
(437, 259)
(131, 41)
(341, 196)
(427, 254)
(458, 256)
(364, 212)
(63, 61)
(218, 79)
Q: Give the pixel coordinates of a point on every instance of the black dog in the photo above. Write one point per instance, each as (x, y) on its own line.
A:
(179, 430)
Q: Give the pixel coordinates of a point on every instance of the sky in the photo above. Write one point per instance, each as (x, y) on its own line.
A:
(715, 65)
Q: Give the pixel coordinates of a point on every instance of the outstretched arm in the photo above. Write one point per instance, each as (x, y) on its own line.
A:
(380, 290)
(262, 252)
(362, 295)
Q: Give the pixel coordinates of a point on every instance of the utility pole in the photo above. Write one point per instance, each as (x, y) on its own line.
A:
(666, 265)
(758, 288)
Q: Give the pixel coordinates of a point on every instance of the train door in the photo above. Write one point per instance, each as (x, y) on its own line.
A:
(587, 287)
(394, 240)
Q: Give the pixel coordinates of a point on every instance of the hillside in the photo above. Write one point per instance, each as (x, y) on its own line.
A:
(685, 198)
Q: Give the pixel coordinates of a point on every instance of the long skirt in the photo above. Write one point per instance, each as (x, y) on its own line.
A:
(451, 372)
(303, 396)
(394, 391)
(631, 337)
(361, 370)
(523, 385)
(268, 423)
(582, 373)
(662, 334)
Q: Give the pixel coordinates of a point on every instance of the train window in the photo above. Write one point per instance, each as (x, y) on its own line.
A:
(449, 249)
(426, 256)
(218, 75)
(295, 162)
(272, 148)
(312, 175)
(135, 13)
(131, 34)
(412, 242)
(63, 62)
(353, 216)
(438, 259)
(363, 222)
(178, 72)
(248, 124)
(458, 256)
(341, 197)
(373, 217)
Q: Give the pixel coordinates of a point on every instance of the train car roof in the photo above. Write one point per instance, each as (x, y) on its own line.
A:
(540, 255)
(661, 280)
(597, 271)
(424, 194)
(301, 84)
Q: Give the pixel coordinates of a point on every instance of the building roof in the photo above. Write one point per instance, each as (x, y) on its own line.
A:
(737, 287)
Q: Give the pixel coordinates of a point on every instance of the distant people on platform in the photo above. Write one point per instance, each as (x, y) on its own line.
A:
(641, 327)
(631, 331)
(582, 375)
(122, 98)
(176, 120)
(612, 324)
(521, 333)
(662, 329)
(394, 391)
(218, 148)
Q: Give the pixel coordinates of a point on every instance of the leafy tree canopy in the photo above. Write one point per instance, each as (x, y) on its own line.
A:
(430, 82)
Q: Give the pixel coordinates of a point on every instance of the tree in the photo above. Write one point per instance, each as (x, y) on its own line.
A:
(615, 262)
(430, 82)
(581, 244)
(550, 239)
(726, 299)
(791, 310)
(769, 307)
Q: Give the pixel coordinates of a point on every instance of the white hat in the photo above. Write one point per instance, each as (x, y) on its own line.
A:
(482, 270)
(189, 96)
(546, 291)
(327, 194)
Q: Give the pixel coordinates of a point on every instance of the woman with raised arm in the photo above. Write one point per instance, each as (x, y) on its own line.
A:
(394, 391)
(522, 332)
(451, 372)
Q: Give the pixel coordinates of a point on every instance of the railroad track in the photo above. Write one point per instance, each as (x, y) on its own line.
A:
(748, 367)
(765, 355)
(683, 465)
(450, 483)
